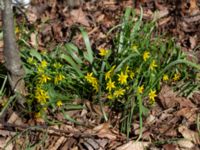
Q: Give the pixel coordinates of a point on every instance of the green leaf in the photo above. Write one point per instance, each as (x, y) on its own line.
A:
(124, 61)
(137, 24)
(36, 54)
(72, 63)
(89, 55)
(72, 50)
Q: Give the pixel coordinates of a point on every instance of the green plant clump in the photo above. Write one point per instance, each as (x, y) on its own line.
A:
(126, 76)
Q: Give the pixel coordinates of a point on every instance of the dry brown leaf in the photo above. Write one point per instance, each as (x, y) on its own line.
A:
(6, 133)
(194, 9)
(196, 95)
(100, 18)
(3, 143)
(78, 16)
(164, 21)
(91, 143)
(14, 119)
(58, 143)
(189, 134)
(132, 145)
(183, 143)
(32, 15)
(104, 131)
(1, 44)
(170, 147)
(193, 42)
(33, 40)
(183, 102)
(161, 14)
(167, 97)
(189, 113)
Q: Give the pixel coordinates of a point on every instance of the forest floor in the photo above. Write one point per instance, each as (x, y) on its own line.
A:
(173, 123)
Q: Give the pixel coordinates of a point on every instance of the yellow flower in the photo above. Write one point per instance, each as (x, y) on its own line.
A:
(17, 30)
(41, 96)
(153, 65)
(109, 73)
(89, 77)
(134, 48)
(95, 84)
(110, 96)
(44, 78)
(43, 64)
(103, 52)
(44, 52)
(152, 96)
(30, 60)
(177, 76)
(59, 103)
(57, 65)
(146, 55)
(122, 78)
(165, 77)
(127, 69)
(58, 77)
(92, 80)
(38, 115)
(141, 89)
(131, 74)
(110, 85)
(119, 92)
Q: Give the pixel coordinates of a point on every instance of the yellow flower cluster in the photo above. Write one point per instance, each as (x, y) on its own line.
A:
(177, 76)
(92, 80)
(59, 77)
(42, 66)
(43, 78)
(41, 95)
(116, 86)
(57, 65)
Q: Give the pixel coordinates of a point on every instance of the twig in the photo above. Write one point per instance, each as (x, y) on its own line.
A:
(44, 128)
